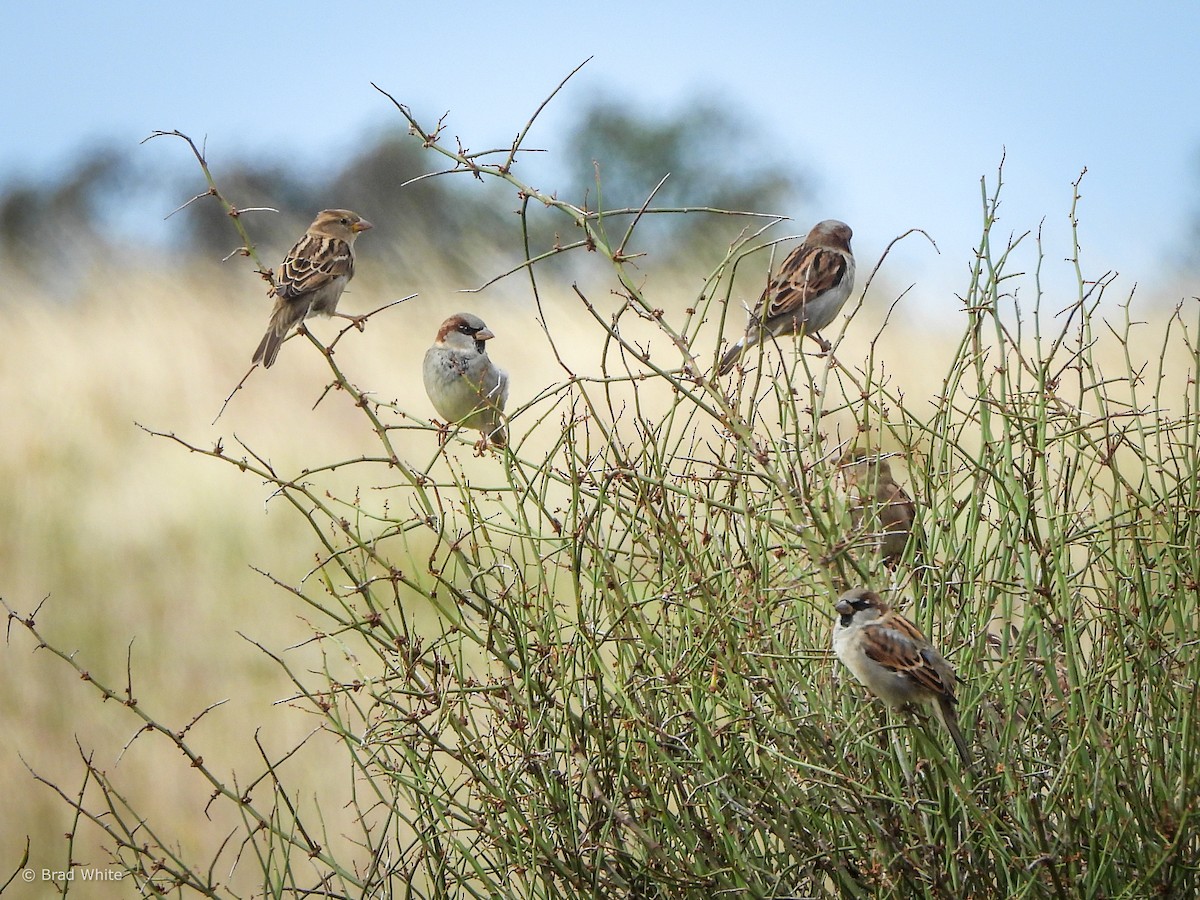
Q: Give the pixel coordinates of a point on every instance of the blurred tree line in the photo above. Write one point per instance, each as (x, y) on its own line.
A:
(108, 209)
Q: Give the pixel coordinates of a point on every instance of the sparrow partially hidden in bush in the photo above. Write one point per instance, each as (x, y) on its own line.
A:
(888, 654)
(311, 280)
(806, 294)
(464, 385)
(874, 492)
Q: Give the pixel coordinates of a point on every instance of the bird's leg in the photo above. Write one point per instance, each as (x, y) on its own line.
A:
(821, 342)
(357, 320)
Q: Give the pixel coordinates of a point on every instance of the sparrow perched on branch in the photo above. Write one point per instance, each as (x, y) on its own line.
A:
(806, 294)
(463, 384)
(893, 659)
(312, 277)
(875, 491)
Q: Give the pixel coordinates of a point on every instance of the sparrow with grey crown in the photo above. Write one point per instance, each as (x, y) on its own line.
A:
(463, 384)
(313, 275)
(889, 655)
(806, 294)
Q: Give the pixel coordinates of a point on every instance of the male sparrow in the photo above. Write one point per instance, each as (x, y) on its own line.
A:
(462, 382)
(806, 294)
(312, 277)
(869, 478)
(891, 657)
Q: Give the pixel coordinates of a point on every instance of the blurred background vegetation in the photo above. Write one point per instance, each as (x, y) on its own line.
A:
(56, 233)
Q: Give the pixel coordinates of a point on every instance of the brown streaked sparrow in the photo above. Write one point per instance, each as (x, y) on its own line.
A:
(312, 277)
(462, 382)
(888, 654)
(874, 491)
(806, 294)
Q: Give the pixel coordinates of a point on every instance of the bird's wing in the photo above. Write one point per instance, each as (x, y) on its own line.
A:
(896, 651)
(499, 395)
(312, 264)
(807, 273)
(897, 507)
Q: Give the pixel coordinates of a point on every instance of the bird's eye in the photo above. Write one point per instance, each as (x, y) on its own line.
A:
(345, 221)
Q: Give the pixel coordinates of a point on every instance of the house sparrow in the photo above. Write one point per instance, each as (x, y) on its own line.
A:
(463, 384)
(873, 490)
(806, 294)
(312, 277)
(891, 657)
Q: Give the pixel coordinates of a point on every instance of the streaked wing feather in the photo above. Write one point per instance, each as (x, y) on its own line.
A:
(313, 263)
(895, 651)
(807, 273)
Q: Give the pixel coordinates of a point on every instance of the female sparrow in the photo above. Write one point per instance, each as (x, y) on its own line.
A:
(891, 657)
(869, 478)
(462, 382)
(312, 277)
(810, 288)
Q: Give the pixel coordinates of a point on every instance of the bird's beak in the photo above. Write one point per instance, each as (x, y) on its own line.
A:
(361, 225)
(844, 608)
(484, 334)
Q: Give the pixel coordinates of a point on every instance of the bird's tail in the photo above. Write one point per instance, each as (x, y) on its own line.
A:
(729, 360)
(946, 713)
(282, 320)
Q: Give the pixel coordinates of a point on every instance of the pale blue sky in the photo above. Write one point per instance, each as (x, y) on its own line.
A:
(898, 108)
